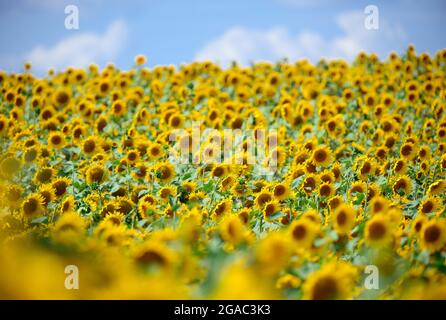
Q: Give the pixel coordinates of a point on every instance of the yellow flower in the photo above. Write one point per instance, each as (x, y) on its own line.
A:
(378, 204)
(96, 173)
(303, 232)
(222, 208)
(433, 235)
(344, 219)
(69, 228)
(140, 60)
(270, 209)
(321, 156)
(273, 253)
(430, 205)
(10, 166)
(378, 230)
(154, 254)
(281, 191)
(402, 185)
(232, 230)
(333, 281)
(165, 171)
(33, 206)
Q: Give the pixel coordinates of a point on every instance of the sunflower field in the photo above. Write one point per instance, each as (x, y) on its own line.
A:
(89, 181)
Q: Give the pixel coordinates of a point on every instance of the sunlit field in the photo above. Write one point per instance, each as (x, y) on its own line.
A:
(281, 180)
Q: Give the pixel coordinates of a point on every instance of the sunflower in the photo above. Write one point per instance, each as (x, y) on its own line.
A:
(276, 157)
(124, 205)
(114, 235)
(357, 187)
(381, 152)
(132, 156)
(103, 87)
(273, 253)
(366, 169)
(327, 176)
(228, 182)
(334, 202)
(301, 156)
(115, 218)
(60, 186)
(326, 190)
(3, 125)
(165, 171)
(443, 161)
(263, 198)
(90, 146)
(310, 183)
(31, 154)
(281, 191)
(67, 205)
(321, 156)
(424, 153)
(402, 185)
(344, 218)
(13, 195)
(141, 170)
(62, 97)
(408, 151)
(222, 208)
(154, 254)
(288, 281)
(155, 151)
(96, 174)
(176, 121)
(437, 188)
(56, 140)
(303, 233)
(33, 206)
(430, 205)
(166, 192)
(48, 194)
(418, 223)
(332, 281)
(232, 229)
(146, 210)
(378, 230)
(9, 166)
(69, 228)
(219, 171)
(140, 59)
(244, 215)
(378, 204)
(44, 175)
(400, 167)
(270, 209)
(433, 235)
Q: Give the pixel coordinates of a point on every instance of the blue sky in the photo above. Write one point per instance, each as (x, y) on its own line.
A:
(173, 32)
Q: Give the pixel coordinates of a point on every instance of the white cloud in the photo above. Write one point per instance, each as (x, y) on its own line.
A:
(246, 45)
(81, 49)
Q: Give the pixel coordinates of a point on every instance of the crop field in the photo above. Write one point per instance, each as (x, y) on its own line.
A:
(278, 180)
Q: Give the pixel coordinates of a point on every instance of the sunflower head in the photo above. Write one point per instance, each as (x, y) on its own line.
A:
(33, 206)
(344, 219)
(433, 235)
(321, 156)
(378, 230)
